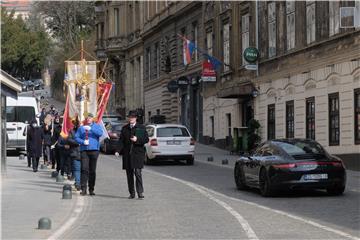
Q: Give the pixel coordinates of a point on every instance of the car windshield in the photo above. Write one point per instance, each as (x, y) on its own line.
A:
(172, 132)
(111, 119)
(301, 147)
(20, 114)
(117, 127)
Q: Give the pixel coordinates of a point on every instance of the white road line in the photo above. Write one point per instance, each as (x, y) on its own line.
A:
(244, 224)
(247, 227)
(307, 221)
(310, 222)
(80, 203)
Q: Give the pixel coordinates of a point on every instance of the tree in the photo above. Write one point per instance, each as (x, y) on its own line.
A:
(23, 51)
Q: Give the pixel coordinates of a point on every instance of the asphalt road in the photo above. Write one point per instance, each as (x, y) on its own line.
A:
(201, 202)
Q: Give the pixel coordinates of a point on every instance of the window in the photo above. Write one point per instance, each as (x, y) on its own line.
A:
(310, 118)
(290, 25)
(334, 17)
(226, 46)
(310, 21)
(228, 117)
(195, 40)
(20, 114)
(357, 115)
(272, 29)
(116, 22)
(158, 111)
(271, 121)
(157, 60)
(212, 126)
(334, 119)
(172, 132)
(148, 64)
(209, 43)
(149, 115)
(290, 119)
(245, 35)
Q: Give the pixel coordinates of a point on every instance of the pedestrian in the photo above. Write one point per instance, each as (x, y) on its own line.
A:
(64, 153)
(53, 111)
(26, 133)
(47, 139)
(35, 138)
(88, 137)
(55, 152)
(42, 116)
(132, 140)
(75, 155)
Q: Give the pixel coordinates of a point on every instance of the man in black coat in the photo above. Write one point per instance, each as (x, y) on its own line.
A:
(132, 140)
(35, 139)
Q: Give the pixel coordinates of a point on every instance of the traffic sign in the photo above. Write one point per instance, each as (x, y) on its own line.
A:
(252, 67)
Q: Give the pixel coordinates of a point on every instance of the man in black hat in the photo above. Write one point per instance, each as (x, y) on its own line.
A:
(132, 140)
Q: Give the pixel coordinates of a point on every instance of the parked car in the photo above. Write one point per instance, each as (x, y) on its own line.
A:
(110, 118)
(169, 141)
(290, 164)
(27, 86)
(112, 144)
(19, 113)
(38, 84)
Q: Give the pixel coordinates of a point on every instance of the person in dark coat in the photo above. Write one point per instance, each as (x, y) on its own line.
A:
(35, 139)
(42, 116)
(55, 150)
(132, 140)
(47, 140)
(75, 156)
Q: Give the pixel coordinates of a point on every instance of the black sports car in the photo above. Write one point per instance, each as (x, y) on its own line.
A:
(290, 164)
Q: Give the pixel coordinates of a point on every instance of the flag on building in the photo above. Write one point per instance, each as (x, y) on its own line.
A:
(214, 61)
(188, 50)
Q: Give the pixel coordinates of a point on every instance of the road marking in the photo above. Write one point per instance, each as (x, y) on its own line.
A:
(307, 221)
(80, 203)
(244, 224)
(247, 227)
(310, 222)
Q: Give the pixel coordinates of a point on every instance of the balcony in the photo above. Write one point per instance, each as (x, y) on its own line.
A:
(116, 43)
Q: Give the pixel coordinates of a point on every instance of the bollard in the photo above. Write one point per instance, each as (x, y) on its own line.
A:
(42, 166)
(21, 157)
(224, 162)
(54, 174)
(59, 178)
(67, 187)
(67, 194)
(44, 223)
(210, 159)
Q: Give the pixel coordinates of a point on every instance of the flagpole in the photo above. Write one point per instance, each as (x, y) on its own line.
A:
(82, 50)
(203, 52)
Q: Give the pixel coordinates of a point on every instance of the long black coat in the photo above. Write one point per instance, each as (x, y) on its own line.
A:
(133, 153)
(47, 135)
(34, 140)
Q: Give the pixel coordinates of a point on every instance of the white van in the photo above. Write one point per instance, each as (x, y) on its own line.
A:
(19, 113)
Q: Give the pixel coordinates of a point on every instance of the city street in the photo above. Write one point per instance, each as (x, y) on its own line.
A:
(186, 202)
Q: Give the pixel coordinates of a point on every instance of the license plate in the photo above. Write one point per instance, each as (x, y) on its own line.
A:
(315, 176)
(173, 142)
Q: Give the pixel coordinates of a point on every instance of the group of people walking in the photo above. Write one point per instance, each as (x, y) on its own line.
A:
(77, 154)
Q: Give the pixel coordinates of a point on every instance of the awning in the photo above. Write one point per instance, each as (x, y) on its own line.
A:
(238, 91)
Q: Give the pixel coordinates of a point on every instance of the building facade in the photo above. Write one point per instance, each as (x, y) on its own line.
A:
(306, 84)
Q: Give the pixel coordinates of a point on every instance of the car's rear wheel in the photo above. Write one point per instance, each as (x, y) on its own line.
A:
(147, 161)
(264, 184)
(335, 191)
(240, 177)
(190, 161)
(105, 148)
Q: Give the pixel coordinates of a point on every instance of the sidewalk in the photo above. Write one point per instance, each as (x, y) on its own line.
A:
(202, 152)
(27, 196)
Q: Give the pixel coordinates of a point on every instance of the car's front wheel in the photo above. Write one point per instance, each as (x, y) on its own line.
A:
(190, 161)
(240, 177)
(264, 184)
(335, 191)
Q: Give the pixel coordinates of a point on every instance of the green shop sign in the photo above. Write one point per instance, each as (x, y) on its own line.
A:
(251, 54)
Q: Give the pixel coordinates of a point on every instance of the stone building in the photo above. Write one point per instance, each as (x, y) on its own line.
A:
(119, 25)
(306, 84)
(309, 74)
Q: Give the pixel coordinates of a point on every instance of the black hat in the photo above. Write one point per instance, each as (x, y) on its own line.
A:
(90, 115)
(132, 114)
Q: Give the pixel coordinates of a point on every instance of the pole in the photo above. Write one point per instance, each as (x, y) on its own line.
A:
(257, 34)
(82, 49)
